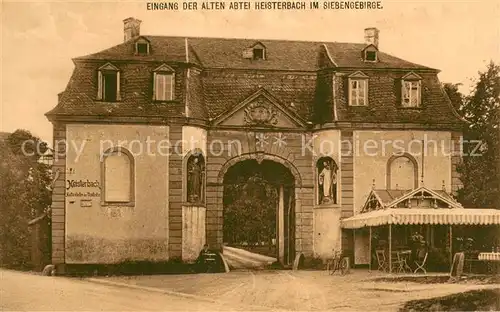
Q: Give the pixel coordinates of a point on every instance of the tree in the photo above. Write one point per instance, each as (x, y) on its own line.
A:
(251, 217)
(456, 97)
(25, 194)
(480, 168)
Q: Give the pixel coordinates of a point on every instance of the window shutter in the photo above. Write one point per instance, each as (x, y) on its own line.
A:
(154, 86)
(172, 85)
(118, 97)
(403, 93)
(366, 92)
(419, 93)
(99, 85)
(118, 178)
(349, 90)
(166, 92)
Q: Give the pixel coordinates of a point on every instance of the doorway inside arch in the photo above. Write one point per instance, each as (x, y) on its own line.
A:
(259, 209)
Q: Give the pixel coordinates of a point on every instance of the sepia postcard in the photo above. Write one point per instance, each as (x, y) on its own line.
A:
(260, 155)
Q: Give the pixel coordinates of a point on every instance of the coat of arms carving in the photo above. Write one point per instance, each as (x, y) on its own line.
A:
(260, 113)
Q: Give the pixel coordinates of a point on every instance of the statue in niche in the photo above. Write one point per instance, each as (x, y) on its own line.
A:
(327, 181)
(195, 179)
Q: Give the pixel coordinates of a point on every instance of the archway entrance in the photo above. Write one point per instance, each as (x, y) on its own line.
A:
(259, 209)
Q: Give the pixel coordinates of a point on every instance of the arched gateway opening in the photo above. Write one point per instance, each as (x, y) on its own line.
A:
(259, 209)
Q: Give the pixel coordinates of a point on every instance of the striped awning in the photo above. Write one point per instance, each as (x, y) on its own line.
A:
(453, 216)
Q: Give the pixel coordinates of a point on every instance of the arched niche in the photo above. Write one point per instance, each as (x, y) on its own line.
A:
(327, 181)
(195, 180)
(402, 172)
(117, 177)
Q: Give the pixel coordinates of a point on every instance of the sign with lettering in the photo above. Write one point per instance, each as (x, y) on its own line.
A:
(86, 203)
(82, 183)
(83, 194)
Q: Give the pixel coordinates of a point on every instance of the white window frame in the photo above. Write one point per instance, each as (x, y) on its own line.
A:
(164, 71)
(409, 95)
(355, 100)
(166, 96)
(108, 67)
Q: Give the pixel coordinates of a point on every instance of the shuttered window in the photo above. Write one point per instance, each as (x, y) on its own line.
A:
(164, 87)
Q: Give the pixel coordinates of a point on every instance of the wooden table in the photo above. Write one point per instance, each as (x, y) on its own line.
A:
(406, 257)
(492, 260)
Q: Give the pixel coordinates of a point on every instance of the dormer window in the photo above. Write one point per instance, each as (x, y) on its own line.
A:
(358, 89)
(411, 91)
(164, 82)
(255, 52)
(371, 56)
(370, 53)
(108, 84)
(142, 46)
(258, 54)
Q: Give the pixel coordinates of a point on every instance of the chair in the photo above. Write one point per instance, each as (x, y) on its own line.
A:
(471, 261)
(382, 263)
(405, 256)
(397, 262)
(420, 266)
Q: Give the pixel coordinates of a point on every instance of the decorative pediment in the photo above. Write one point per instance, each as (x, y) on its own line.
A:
(164, 68)
(358, 75)
(373, 202)
(411, 76)
(423, 197)
(260, 109)
(258, 45)
(109, 66)
(142, 39)
(370, 47)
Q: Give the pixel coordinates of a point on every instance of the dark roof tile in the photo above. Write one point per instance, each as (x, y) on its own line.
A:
(292, 72)
(227, 53)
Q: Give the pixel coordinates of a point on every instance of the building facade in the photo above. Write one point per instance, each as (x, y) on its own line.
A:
(148, 135)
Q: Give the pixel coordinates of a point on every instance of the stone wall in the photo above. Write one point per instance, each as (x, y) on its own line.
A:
(58, 206)
(347, 186)
(193, 232)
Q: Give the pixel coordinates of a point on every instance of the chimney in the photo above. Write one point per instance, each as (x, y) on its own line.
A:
(371, 36)
(131, 28)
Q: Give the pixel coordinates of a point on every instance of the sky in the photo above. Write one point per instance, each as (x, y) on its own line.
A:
(39, 39)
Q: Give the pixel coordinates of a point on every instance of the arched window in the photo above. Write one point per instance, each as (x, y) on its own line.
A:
(402, 172)
(327, 171)
(195, 178)
(118, 176)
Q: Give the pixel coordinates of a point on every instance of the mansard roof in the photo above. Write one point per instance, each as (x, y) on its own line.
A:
(227, 53)
(222, 78)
